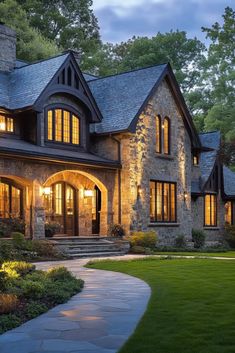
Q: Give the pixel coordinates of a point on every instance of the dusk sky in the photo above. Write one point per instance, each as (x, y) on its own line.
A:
(119, 20)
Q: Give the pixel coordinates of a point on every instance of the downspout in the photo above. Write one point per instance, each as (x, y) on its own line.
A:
(119, 180)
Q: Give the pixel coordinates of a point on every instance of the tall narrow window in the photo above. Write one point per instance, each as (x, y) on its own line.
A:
(166, 136)
(58, 199)
(162, 201)
(6, 124)
(210, 210)
(63, 126)
(158, 135)
(229, 212)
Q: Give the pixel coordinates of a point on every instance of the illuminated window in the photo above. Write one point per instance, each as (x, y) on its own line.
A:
(229, 212)
(196, 159)
(210, 210)
(6, 124)
(10, 200)
(63, 126)
(162, 201)
(58, 199)
(158, 135)
(166, 136)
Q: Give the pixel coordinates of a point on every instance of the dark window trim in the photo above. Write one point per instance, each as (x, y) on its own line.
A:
(159, 121)
(72, 111)
(162, 186)
(169, 135)
(216, 209)
(11, 184)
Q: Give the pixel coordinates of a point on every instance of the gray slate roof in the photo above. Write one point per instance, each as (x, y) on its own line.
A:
(23, 86)
(26, 148)
(229, 182)
(120, 97)
(207, 159)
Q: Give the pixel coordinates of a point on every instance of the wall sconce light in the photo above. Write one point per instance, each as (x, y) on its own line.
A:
(185, 196)
(88, 193)
(47, 191)
(139, 190)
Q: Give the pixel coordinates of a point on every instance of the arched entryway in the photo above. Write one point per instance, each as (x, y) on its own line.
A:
(78, 202)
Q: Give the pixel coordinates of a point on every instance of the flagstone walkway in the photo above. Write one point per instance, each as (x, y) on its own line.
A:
(97, 320)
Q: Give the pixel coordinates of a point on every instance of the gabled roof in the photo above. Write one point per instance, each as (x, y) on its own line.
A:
(229, 182)
(120, 97)
(207, 159)
(28, 82)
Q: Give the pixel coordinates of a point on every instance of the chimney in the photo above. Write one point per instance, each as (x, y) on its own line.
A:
(7, 48)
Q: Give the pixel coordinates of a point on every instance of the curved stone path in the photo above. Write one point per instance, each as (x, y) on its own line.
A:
(97, 320)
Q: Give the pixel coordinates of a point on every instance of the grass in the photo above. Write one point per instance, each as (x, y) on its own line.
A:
(192, 306)
(197, 253)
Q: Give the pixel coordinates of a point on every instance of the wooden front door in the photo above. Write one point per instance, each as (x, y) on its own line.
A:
(65, 207)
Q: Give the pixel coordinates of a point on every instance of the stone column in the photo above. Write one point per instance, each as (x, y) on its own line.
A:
(38, 212)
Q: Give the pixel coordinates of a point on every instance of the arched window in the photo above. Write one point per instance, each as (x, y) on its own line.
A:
(166, 135)
(10, 199)
(158, 134)
(63, 126)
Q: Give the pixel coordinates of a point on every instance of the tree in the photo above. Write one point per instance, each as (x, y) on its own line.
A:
(219, 79)
(70, 24)
(31, 45)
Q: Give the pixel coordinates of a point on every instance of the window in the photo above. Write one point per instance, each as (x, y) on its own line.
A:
(196, 159)
(229, 212)
(158, 135)
(162, 135)
(166, 136)
(63, 126)
(10, 200)
(210, 208)
(162, 201)
(6, 124)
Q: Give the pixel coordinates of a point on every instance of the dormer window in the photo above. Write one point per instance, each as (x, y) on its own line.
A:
(196, 159)
(6, 124)
(63, 126)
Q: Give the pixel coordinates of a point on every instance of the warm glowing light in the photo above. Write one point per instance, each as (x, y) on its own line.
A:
(47, 190)
(185, 196)
(88, 193)
(2, 126)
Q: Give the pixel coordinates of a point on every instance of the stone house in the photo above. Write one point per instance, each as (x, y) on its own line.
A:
(87, 151)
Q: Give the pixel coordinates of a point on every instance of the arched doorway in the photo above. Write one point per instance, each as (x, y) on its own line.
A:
(61, 206)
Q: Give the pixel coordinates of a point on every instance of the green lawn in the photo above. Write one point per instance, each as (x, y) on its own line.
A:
(192, 307)
(191, 253)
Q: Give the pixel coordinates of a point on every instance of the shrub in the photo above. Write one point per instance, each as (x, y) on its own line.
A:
(198, 237)
(180, 241)
(21, 267)
(33, 309)
(6, 250)
(51, 228)
(3, 280)
(116, 230)
(136, 249)
(59, 274)
(144, 239)
(44, 248)
(8, 322)
(31, 289)
(18, 240)
(4, 230)
(230, 235)
(8, 303)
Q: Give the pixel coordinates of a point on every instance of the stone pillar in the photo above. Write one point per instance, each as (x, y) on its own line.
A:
(38, 212)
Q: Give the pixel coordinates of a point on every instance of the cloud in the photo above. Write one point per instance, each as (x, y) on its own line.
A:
(119, 20)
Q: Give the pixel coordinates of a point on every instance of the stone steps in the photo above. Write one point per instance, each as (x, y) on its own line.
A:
(78, 247)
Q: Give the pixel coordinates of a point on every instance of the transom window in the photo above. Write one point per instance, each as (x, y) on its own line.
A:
(229, 212)
(6, 124)
(210, 210)
(163, 135)
(162, 201)
(10, 200)
(63, 126)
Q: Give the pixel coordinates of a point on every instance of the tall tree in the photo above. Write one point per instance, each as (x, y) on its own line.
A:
(31, 45)
(71, 24)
